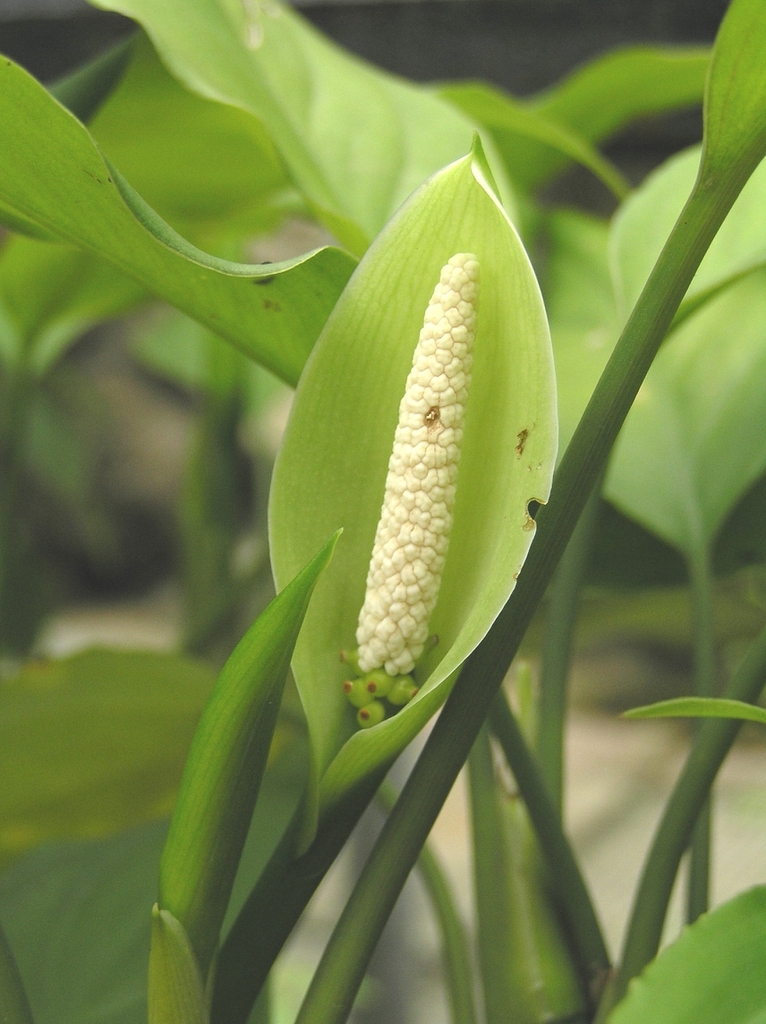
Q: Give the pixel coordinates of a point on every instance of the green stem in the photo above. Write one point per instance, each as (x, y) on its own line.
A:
(455, 948)
(560, 624)
(650, 904)
(14, 1005)
(701, 577)
(567, 882)
(276, 902)
(341, 970)
(493, 910)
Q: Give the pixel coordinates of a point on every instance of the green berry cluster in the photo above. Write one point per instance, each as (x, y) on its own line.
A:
(368, 691)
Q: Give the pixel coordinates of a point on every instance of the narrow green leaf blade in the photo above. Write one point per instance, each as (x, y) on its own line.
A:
(226, 763)
(700, 707)
(332, 466)
(53, 175)
(94, 743)
(735, 95)
(507, 120)
(176, 991)
(608, 93)
(716, 971)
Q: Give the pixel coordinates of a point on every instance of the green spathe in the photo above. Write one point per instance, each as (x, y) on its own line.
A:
(333, 462)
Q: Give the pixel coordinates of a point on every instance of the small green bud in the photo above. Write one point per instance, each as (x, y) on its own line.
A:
(403, 690)
(351, 658)
(378, 682)
(357, 692)
(372, 714)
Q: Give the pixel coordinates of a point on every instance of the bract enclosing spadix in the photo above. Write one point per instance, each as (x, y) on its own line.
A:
(332, 468)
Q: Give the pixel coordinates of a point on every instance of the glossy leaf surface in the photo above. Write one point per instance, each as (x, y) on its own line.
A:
(356, 141)
(716, 971)
(94, 743)
(54, 176)
(332, 466)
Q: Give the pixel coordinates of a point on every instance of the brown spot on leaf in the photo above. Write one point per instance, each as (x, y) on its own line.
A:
(270, 304)
(522, 440)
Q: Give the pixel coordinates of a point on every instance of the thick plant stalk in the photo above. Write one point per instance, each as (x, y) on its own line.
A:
(456, 951)
(700, 572)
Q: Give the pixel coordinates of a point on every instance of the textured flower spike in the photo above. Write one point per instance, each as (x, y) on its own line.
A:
(413, 533)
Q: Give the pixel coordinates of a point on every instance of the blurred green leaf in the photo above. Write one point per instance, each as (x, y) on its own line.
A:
(84, 90)
(52, 294)
(581, 309)
(199, 164)
(91, 968)
(584, 324)
(79, 915)
(332, 466)
(605, 95)
(695, 439)
(14, 1004)
(56, 176)
(700, 707)
(94, 743)
(715, 972)
(642, 225)
(356, 141)
(507, 119)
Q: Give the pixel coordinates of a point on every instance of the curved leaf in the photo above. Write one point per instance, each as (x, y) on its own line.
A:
(507, 119)
(716, 971)
(53, 175)
(94, 743)
(355, 140)
(332, 465)
(700, 707)
(197, 163)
